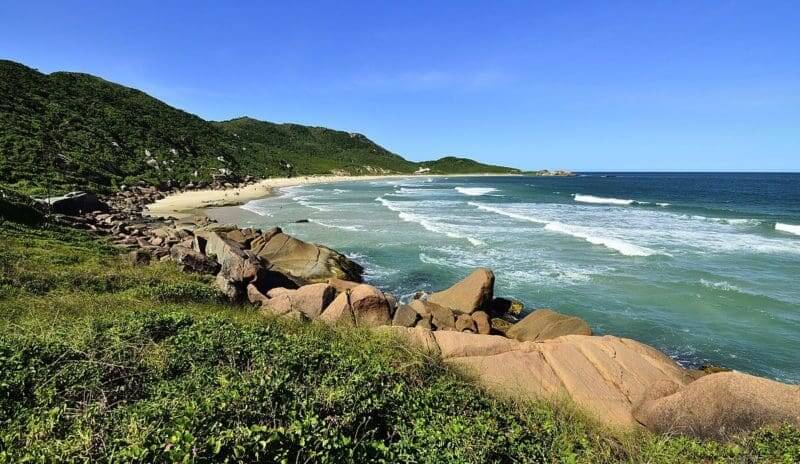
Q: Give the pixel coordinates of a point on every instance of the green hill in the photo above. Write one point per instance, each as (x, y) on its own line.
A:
(454, 165)
(72, 130)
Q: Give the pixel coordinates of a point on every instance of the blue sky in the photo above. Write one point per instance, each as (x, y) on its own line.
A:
(624, 85)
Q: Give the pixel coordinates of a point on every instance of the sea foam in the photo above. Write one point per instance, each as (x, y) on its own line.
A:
(253, 208)
(602, 201)
(475, 191)
(788, 228)
(623, 247)
(427, 223)
(336, 226)
(510, 214)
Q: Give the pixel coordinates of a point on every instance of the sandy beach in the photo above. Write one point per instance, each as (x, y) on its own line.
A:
(188, 203)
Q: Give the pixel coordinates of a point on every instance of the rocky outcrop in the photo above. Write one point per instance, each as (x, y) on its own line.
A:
(606, 376)
(193, 261)
(718, 405)
(306, 262)
(75, 204)
(370, 306)
(544, 324)
(308, 301)
(473, 293)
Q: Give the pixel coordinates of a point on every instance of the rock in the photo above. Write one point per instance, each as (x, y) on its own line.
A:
(500, 326)
(140, 257)
(509, 308)
(473, 293)
(369, 306)
(309, 300)
(342, 285)
(236, 264)
(305, 261)
(235, 291)
(544, 324)
(718, 405)
(339, 311)
(302, 221)
(254, 296)
(424, 322)
(443, 318)
(75, 204)
(422, 307)
(242, 236)
(277, 291)
(482, 325)
(267, 279)
(192, 261)
(312, 299)
(405, 316)
(464, 323)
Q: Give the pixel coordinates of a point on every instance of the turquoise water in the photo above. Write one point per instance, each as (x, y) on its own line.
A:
(706, 267)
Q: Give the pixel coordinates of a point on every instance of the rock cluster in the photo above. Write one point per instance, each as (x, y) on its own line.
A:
(542, 355)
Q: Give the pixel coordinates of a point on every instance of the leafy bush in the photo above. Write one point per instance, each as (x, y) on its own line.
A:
(185, 292)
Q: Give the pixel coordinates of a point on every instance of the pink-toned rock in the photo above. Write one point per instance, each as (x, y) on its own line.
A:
(464, 323)
(473, 293)
(342, 285)
(369, 306)
(309, 300)
(339, 311)
(482, 324)
(718, 405)
(254, 296)
(275, 292)
(544, 324)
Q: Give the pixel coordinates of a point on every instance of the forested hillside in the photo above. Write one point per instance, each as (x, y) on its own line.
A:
(63, 131)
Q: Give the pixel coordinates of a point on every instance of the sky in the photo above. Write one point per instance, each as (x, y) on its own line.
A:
(580, 85)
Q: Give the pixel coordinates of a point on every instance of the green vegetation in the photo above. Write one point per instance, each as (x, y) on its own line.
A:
(453, 165)
(76, 131)
(101, 361)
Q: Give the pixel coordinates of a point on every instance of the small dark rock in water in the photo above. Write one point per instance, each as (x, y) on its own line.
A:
(301, 221)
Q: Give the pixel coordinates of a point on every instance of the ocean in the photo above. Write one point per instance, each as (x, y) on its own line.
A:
(703, 266)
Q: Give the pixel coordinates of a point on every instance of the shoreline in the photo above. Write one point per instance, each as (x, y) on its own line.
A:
(186, 204)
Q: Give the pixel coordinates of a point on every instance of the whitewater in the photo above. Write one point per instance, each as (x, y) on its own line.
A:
(702, 266)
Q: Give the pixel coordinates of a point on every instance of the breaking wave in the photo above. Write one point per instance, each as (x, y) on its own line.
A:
(336, 226)
(788, 228)
(621, 246)
(601, 200)
(475, 191)
(253, 208)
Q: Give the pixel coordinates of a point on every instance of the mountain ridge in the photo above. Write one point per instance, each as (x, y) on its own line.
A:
(66, 130)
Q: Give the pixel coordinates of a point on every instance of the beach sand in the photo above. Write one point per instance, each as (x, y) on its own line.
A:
(193, 202)
(181, 205)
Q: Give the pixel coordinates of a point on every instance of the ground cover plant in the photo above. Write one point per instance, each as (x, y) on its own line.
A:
(101, 361)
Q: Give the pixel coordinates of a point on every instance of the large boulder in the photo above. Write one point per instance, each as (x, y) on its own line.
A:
(718, 405)
(75, 204)
(305, 261)
(544, 324)
(405, 316)
(193, 261)
(309, 300)
(471, 294)
(339, 311)
(370, 306)
(236, 264)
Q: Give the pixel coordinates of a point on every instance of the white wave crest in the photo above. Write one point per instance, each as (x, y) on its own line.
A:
(388, 204)
(304, 201)
(601, 200)
(475, 191)
(437, 228)
(336, 226)
(623, 247)
(256, 209)
(788, 228)
(723, 285)
(510, 214)
(663, 205)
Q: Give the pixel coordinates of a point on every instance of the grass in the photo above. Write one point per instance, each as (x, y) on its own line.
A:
(101, 361)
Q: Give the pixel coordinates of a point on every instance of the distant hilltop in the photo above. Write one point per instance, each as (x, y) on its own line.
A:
(66, 131)
(556, 173)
